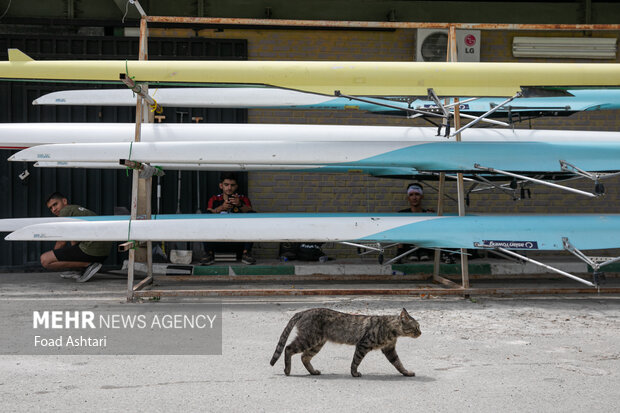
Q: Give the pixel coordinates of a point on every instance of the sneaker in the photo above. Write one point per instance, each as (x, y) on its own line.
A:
(89, 272)
(208, 259)
(70, 274)
(447, 259)
(247, 259)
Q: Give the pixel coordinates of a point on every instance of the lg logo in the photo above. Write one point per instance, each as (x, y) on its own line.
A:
(470, 42)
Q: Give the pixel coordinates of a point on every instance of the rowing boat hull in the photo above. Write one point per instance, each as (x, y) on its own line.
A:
(518, 157)
(245, 97)
(24, 135)
(521, 232)
(325, 77)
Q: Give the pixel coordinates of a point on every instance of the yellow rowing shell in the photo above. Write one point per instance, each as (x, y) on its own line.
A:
(325, 77)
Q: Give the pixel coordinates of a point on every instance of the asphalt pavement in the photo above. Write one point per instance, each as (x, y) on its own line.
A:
(543, 353)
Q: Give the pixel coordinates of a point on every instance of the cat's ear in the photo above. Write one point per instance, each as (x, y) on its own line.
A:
(404, 314)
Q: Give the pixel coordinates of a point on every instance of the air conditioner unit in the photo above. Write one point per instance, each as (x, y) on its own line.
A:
(565, 47)
(432, 45)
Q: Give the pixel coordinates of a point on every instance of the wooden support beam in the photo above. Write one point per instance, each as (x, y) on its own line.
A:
(144, 283)
(140, 197)
(440, 202)
(126, 246)
(504, 291)
(447, 282)
(460, 185)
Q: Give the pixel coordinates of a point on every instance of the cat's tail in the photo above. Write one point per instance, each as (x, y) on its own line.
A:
(282, 342)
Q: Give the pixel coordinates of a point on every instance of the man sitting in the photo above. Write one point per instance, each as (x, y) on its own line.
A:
(415, 195)
(229, 202)
(85, 255)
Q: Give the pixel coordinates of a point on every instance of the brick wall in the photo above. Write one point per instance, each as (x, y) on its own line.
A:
(308, 192)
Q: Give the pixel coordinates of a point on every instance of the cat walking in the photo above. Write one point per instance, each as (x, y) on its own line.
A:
(366, 332)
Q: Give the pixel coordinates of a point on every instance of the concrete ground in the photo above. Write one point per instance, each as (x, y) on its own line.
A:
(548, 353)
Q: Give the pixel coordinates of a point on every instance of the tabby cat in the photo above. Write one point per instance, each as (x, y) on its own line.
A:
(366, 332)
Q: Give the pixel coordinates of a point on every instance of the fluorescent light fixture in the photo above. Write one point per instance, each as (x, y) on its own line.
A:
(565, 47)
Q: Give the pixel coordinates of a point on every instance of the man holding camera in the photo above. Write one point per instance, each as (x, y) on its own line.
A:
(229, 202)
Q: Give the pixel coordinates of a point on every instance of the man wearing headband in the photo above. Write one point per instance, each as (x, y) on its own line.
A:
(415, 195)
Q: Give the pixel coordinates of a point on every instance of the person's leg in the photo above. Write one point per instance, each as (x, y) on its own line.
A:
(209, 257)
(425, 254)
(447, 257)
(49, 261)
(72, 257)
(247, 247)
(404, 248)
(208, 246)
(246, 256)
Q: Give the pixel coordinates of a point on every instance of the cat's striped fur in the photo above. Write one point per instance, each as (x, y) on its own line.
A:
(366, 332)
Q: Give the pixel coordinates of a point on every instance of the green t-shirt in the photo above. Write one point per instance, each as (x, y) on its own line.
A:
(94, 248)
